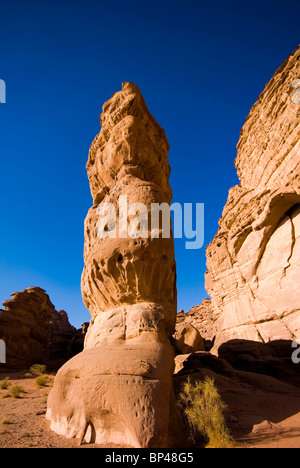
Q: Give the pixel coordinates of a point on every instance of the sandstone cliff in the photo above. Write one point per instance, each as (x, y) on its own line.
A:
(253, 263)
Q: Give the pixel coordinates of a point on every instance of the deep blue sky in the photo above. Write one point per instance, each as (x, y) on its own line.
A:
(200, 66)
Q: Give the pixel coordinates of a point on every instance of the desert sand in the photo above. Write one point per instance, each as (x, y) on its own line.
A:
(262, 413)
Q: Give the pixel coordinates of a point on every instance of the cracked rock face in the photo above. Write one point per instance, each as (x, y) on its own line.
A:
(120, 389)
(253, 263)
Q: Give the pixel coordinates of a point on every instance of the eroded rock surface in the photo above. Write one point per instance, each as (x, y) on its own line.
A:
(120, 388)
(187, 339)
(253, 263)
(24, 326)
(34, 332)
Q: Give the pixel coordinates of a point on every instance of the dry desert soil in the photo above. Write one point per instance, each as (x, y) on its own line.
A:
(23, 423)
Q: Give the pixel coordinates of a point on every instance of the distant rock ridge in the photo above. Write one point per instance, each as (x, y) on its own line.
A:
(253, 263)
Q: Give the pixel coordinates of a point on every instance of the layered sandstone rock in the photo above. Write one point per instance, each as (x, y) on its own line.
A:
(253, 263)
(119, 389)
(24, 326)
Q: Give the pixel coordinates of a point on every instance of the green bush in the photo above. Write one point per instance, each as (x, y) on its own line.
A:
(38, 369)
(16, 390)
(4, 383)
(204, 411)
(42, 380)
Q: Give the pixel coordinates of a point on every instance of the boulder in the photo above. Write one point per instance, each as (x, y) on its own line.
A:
(187, 339)
(201, 317)
(186, 364)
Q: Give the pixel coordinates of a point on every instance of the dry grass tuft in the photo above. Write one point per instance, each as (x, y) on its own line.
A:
(204, 411)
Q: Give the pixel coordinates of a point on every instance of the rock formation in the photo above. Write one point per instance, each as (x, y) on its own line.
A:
(24, 326)
(202, 318)
(253, 263)
(120, 388)
(64, 340)
(187, 339)
(35, 333)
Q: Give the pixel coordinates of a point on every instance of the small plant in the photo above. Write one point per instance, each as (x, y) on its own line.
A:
(16, 390)
(4, 383)
(204, 411)
(42, 380)
(38, 369)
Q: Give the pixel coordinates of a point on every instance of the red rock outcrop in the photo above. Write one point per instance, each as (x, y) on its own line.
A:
(253, 263)
(120, 388)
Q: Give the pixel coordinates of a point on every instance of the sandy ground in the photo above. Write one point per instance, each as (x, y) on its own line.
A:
(262, 412)
(22, 420)
(268, 418)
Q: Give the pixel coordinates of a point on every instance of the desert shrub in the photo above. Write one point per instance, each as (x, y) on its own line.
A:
(204, 412)
(42, 380)
(4, 383)
(38, 369)
(16, 390)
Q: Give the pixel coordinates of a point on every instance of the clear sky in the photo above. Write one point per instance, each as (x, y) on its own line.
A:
(200, 66)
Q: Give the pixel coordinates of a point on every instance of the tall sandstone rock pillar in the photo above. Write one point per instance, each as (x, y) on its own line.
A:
(253, 263)
(120, 389)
